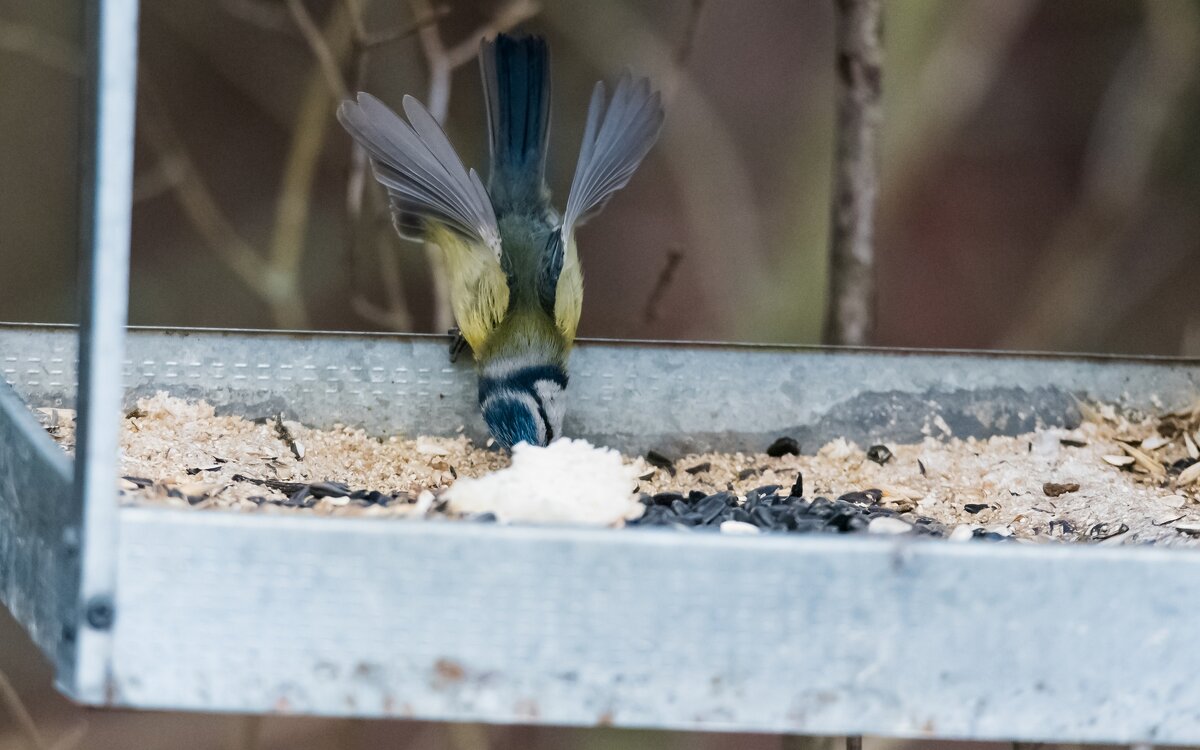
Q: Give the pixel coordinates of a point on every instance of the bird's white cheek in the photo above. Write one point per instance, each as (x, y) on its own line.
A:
(554, 404)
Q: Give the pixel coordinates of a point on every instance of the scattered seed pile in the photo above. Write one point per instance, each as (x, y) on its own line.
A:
(1116, 479)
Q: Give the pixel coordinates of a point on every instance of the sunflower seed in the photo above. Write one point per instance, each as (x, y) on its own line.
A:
(1154, 442)
(880, 454)
(1166, 518)
(1107, 530)
(1151, 466)
(888, 525)
(1189, 475)
(738, 527)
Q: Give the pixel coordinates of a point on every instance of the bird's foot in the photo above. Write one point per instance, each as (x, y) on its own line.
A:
(458, 345)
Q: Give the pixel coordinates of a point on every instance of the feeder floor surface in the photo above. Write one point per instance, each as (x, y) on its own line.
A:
(1116, 479)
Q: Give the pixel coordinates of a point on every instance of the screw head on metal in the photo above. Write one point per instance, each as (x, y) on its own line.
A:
(100, 613)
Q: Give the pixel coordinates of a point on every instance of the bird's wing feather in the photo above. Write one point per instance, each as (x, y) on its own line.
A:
(435, 198)
(616, 138)
(420, 169)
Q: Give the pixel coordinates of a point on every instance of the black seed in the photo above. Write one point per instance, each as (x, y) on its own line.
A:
(711, 508)
(798, 485)
(328, 489)
(766, 489)
(658, 460)
(807, 526)
(699, 468)
(666, 498)
(360, 494)
(784, 446)
(740, 514)
(745, 474)
(484, 518)
(1066, 526)
(680, 508)
(974, 508)
(847, 522)
(1072, 443)
(727, 498)
(821, 508)
(1174, 469)
(691, 519)
(696, 496)
(297, 498)
(921, 467)
(141, 482)
(193, 472)
(857, 498)
(880, 454)
(257, 499)
(1107, 530)
(762, 516)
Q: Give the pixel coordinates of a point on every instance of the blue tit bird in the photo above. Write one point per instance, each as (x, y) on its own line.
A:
(516, 286)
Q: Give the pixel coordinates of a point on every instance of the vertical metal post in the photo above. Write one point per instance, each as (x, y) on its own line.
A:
(107, 160)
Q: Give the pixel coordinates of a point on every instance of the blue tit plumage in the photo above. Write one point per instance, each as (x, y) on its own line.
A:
(516, 286)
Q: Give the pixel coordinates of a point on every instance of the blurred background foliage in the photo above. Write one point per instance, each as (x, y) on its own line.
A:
(1041, 168)
(1040, 189)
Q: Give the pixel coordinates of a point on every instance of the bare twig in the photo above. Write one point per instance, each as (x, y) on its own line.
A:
(326, 59)
(661, 285)
(20, 714)
(850, 306)
(683, 52)
(442, 62)
(267, 15)
(35, 44)
(193, 196)
(71, 738)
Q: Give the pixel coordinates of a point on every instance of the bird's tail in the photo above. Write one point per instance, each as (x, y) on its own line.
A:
(516, 79)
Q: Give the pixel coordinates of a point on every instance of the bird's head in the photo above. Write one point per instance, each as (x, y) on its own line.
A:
(523, 402)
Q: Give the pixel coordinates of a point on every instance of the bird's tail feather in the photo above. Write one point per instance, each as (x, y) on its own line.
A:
(516, 79)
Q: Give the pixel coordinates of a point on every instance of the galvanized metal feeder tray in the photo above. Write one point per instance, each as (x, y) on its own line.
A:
(149, 608)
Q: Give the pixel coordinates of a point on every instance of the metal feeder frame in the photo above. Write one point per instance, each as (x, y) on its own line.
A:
(207, 611)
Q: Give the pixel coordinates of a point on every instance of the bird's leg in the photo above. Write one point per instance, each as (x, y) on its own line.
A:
(458, 345)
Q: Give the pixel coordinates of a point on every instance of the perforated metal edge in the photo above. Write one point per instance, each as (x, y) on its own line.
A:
(630, 395)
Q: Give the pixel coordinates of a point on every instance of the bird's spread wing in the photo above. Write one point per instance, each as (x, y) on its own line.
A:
(435, 198)
(421, 171)
(618, 135)
(616, 138)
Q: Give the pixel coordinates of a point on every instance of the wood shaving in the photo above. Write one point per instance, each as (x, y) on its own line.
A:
(1133, 473)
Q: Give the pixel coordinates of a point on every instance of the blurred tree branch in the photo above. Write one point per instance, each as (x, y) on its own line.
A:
(850, 305)
(33, 43)
(275, 277)
(1079, 288)
(27, 727)
(442, 62)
